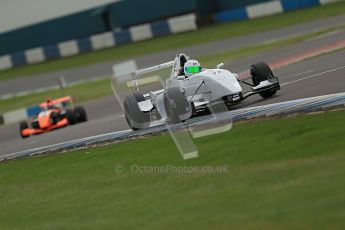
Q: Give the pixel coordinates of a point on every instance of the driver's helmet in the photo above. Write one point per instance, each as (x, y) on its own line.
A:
(49, 103)
(191, 67)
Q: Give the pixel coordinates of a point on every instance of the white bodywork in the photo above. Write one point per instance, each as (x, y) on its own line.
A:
(205, 87)
(208, 85)
(202, 88)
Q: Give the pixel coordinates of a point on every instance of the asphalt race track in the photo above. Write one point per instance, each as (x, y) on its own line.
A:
(304, 105)
(100, 69)
(314, 77)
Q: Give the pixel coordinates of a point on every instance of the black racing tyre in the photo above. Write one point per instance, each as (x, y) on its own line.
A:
(80, 114)
(70, 117)
(261, 72)
(54, 117)
(176, 105)
(135, 118)
(23, 125)
(35, 124)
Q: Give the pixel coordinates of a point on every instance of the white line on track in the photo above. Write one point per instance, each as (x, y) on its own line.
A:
(304, 72)
(312, 76)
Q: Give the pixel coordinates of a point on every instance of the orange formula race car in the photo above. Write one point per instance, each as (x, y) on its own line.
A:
(53, 115)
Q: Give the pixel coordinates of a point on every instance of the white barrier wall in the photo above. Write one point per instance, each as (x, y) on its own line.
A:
(5, 62)
(68, 48)
(264, 9)
(101, 41)
(141, 32)
(34, 55)
(183, 23)
(323, 2)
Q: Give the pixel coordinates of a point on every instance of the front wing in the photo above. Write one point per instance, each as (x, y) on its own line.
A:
(30, 131)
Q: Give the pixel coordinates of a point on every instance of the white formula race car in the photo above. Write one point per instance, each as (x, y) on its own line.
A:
(184, 97)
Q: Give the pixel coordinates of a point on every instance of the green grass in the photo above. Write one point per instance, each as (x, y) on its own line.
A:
(284, 174)
(101, 88)
(204, 35)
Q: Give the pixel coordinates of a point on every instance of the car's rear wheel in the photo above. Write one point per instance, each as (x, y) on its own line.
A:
(262, 72)
(22, 126)
(80, 114)
(176, 105)
(135, 118)
(70, 117)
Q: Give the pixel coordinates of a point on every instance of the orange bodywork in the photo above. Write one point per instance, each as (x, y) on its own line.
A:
(44, 118)
(58, 101)
(29, 132)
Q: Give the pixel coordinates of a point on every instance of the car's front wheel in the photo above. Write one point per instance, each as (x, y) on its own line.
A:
(135, 118)
(176, 105)
(22, 126)
(262, 72)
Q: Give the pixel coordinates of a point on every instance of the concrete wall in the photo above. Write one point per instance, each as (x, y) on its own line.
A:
(133, 12)
(92, 29)
(16, 14)
(72, 47)
(266, 8)
(78, 25)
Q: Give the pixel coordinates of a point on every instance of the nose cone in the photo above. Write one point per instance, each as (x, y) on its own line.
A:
(44, 122)
(221, 83)
(228, 81)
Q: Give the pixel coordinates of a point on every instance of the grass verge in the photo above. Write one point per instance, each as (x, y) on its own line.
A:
(204, 35)
(282, 174)
(97, 89)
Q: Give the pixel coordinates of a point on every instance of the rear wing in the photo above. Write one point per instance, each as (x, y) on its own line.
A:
(133, 78)
(176, 65)
(154, 68)
(62, 102)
